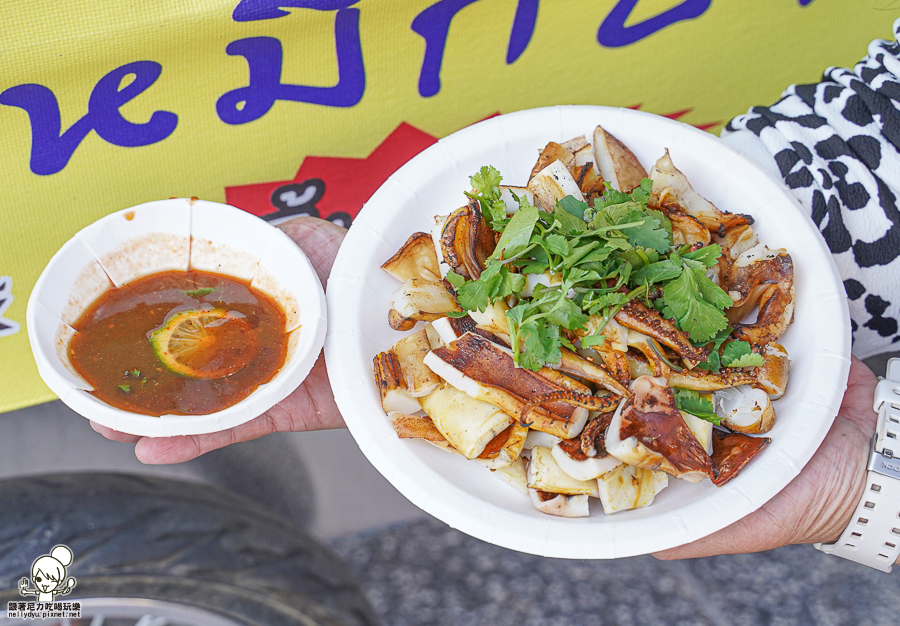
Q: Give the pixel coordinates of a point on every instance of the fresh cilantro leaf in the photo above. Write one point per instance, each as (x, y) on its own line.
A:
(711, 292)
(664, 220)
(199, 293)
(541, 344)
(557, 244)
(517, 234)
(568, 224)
(486, 186)
(739, 354)
(589, 341)
(475, 295)
(713, 362)
(690, 401)
(487, 181)
(649, 235)
(455, 314)
(611, 197)
(658, 272)
(454, 279)
(564, 312)
(592, 252)
(573, 207)
(708, 255)
(686, 304)
(596, 303)
(496, 282)
(641, 193)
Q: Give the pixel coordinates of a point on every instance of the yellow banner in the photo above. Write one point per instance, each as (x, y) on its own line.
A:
(305, 106)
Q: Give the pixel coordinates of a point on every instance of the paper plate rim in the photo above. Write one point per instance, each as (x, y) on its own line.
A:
(618, 535)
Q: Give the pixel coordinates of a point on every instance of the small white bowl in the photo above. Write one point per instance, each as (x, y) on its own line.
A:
(176, 234)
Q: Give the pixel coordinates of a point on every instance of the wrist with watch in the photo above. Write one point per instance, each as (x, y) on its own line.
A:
(873, 536)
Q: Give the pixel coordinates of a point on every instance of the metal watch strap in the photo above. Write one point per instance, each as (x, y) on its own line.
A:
(873, 536)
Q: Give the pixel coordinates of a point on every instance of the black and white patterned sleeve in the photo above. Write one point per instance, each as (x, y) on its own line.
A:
(836, 144)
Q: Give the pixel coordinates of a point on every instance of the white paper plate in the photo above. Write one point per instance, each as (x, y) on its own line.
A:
(174, 234)
(464, 494)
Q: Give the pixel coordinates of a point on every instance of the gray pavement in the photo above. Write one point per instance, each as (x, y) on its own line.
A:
(427, 573)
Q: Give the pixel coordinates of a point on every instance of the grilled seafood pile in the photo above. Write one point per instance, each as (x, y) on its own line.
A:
(589, 334)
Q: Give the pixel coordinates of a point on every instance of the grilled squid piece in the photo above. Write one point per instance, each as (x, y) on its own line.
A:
(616, 163)
(701, 428)
(701, 380)
(416, 259)
(466, 241)
(612, 351)
(552, 184)
(505, 448)
(635, 315)
(745, 409)
(553, 152)
(574, 365)
(388, 378)
(686, 229)
(763, 277)
(466, 423)
(493, 320)
(653, 361)
(513, 474)
(420, 300)
(772, 375)
(509, 195)
(731, 452)
(419, 427)
(545, 474)
(672, 189)
(735, 242)
(647, 431)
(569, 396)
(559, 504)
(487, 372)
(415, 376)
(585, 457)
(628, 487)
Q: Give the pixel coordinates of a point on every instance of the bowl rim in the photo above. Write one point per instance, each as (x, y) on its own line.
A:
(435, 494)
(313, 319)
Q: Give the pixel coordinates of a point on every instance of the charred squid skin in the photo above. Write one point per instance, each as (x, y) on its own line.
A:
(635, 315)
(649, 432)
(569, 396)
(763, 277)
(731, 453)
(466, 241)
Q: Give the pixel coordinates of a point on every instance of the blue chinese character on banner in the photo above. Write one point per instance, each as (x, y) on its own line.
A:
(51, 151)
(614, 34)
(264, 58)
(433, 24)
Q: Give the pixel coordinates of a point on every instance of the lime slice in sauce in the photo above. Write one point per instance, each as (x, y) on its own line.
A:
(205, 343)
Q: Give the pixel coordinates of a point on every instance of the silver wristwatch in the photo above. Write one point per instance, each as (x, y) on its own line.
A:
(873, 535)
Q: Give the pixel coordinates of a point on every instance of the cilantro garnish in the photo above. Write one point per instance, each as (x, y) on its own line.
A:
(486, 189)
(199, 293)
(738, 354)
(692, 402)
(598, 259)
